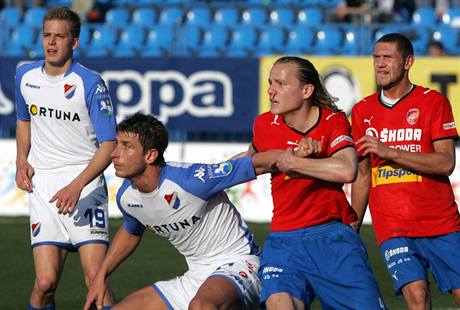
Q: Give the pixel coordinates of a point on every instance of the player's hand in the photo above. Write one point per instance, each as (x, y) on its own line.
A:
(373, 145)
(307, 147)
(285, 160)
(67, 198)
(96, 294)
(24, 174)
(356, 225)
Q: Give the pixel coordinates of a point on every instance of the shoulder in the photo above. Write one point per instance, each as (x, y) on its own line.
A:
(23, 69)
(428, 93)
(365, 102)
(124, 186)
(88, 76)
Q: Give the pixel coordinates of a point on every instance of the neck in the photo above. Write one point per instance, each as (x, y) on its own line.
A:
(303, 119)
(398, 91)
(147, 181)
(53, 70)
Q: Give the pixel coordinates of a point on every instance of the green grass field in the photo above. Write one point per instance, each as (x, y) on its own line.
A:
(154, 259)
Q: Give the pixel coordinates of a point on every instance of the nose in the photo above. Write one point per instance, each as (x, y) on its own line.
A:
(114, 153)
(271, 91)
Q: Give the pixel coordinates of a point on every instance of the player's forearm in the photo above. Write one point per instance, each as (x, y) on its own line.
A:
(22, 140)
(340, 168)
(100, 161)
(360, 194)
(264, 162)
(122, 246)
(436, 163)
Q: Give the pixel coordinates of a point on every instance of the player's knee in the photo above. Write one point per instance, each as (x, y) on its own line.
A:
(45, 285)
(417, 295)
(89, 277)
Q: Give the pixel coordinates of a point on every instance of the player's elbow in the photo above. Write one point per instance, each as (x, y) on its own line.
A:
(448, 168)
(349, 176)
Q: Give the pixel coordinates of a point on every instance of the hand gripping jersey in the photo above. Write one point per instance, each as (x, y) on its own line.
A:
(304, 202)
(404, 202)
(190, 209)
(69, 114)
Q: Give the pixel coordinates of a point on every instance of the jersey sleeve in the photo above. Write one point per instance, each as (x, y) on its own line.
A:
(22, 112)
(442, 122)
(340, 136)
(101, 111)
(131, 224)
(357, 128)
(205, 180)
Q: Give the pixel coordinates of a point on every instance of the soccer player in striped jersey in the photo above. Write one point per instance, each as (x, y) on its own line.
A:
(184, 203)
(65, 133)
(405, 135)
(310, 251)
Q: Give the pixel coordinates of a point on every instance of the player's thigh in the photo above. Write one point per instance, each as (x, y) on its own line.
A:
(49, 261)
(91, 257)
(219, 292)
(146, 299)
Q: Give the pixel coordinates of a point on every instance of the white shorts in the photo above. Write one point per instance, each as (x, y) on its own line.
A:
(242, 272)
(88, 223)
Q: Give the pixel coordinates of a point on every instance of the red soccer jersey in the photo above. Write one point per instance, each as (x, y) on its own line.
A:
(403, 202)
(304, 202)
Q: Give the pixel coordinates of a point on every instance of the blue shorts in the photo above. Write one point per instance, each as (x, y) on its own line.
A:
(409, 259)
(328, 261)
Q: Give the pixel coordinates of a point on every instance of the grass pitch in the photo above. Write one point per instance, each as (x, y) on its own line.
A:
(154, 259)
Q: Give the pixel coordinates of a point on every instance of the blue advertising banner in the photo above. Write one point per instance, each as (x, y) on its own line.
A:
(190, 94)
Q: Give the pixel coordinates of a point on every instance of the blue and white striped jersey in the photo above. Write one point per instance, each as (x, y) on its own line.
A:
(69, 114)
(190, 209)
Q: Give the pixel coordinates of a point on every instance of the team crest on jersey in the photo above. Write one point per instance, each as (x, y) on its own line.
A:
(412, 116)
(36, 229)
(105, 107)
(220, 170)
(172, 200)
(69, 90)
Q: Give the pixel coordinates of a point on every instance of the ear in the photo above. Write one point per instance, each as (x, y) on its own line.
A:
(151, 156)
(75, 43)
(409, 62)
(308, 91)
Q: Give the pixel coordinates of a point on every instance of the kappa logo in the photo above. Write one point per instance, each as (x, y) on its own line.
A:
(69, 90)
(36, 227)
(100, 89)
(32, 86)
(172, 200)
(135, 205)
(200, 173)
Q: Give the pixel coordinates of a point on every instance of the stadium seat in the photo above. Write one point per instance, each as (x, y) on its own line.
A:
(282, 17)
(242, 40)
(449, 37)
(102, 38)
(226, 16)
(171, 16)
(132, 37)
(10, 17)
(215, 38)
(310, 16)
(159, 39)
(300, 40)
(190, 41)
(117, 17)
(350, 42)
(254, 17)
(23, 36)
(85, 36)
(271, 41)
(425, 16)
(452, 17)
(144, 17)
(328, 40)
(34, 17)
(200, 16)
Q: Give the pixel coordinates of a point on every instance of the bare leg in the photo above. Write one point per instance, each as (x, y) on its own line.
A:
(417, 295)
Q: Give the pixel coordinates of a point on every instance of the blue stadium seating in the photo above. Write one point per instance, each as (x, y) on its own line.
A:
(190, 40)
(425, 16)
(452, 17)
(23, 36)
(10, 17)
(300, 40)
(282, 17)
(85, 36)
(200, 16)
(242, 41)
(102, 42)
(226, 16)
(132, 37)
(34, 17)
(328, 40)
(117, 17)
(256, 16)
(271, 41)
(449, 37)
(145, 17)
(214, 40)
(159, 41)
(310, 16)
(171, 16)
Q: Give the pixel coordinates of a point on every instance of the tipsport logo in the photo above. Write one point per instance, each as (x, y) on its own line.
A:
(170, 93)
